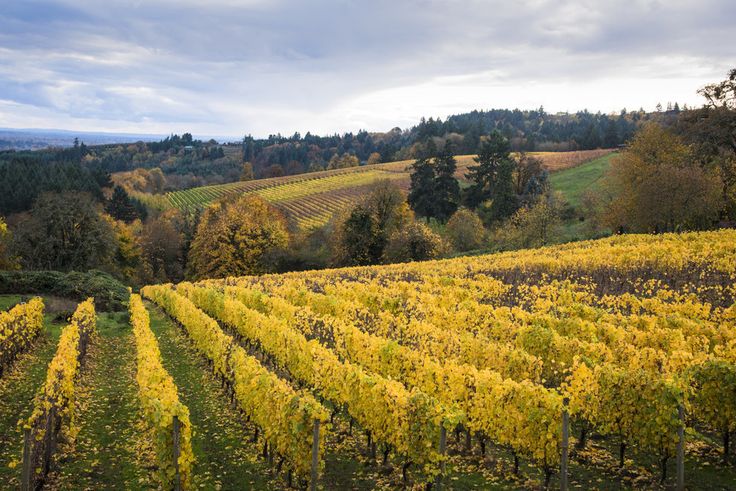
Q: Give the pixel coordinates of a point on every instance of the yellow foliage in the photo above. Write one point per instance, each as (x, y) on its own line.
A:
(285, 415)
(160, 400)
(18, 328)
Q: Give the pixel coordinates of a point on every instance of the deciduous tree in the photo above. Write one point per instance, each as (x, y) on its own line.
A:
(235, 238)
(65, 231)
(658, 186)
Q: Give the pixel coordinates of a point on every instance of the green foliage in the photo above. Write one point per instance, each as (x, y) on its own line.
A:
(465, 230)
(531, 226)
(359, 244)
(109, 293)
(6, 260)
(422, 188)
(435, 192)
(23, 179)
(492, 178)
(361, 237)
(236, 238)
(573, 183)
(446, 195)
(413, 242)
(65, 232)
(121, 207)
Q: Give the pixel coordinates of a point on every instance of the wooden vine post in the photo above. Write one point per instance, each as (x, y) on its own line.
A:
(25, 479)
(565, 444)
(443, 451)
(176, 452)
(681, 449)
(315, 456)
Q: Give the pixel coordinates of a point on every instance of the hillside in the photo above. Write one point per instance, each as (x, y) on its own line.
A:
(311, 199)
(452, 372)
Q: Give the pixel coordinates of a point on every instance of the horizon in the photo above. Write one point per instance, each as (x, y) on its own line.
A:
(255, 67)
(222, 139)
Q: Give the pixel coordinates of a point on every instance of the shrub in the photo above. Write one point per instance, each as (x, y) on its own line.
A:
(414, 242)
(109, 293)
(465, 230)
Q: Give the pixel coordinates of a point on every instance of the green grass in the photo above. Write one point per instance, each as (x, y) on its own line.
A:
(106, 452)
(225, 456)
(575, 182)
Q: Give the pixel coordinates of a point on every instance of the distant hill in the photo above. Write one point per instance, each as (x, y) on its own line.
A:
(310, 200)
(32, 139)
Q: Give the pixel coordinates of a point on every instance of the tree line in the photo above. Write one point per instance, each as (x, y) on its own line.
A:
(676, 173)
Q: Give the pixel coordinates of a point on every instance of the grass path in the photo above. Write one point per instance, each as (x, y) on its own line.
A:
(226, 458)
(574, 182)
(106, 452)
(18, 387)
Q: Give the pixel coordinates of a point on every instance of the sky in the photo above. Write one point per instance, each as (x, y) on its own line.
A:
(230, 67)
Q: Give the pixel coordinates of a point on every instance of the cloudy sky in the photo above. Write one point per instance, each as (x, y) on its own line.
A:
(229, 67)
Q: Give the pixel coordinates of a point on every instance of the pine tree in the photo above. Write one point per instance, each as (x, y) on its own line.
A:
(422, 188)
(493, 178)
(446, 188)
(120, 206)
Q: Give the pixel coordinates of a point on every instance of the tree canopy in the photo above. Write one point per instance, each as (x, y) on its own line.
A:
(657, 185)
(235, 238)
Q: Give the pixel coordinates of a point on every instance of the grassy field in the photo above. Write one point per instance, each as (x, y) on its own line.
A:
(310, 200)
(573, 183)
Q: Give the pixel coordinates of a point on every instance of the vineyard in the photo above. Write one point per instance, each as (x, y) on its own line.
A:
(312, 199)
(596, 364)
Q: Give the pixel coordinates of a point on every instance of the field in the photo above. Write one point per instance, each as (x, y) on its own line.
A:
(454, 372)
(575, 182)
(312, 199)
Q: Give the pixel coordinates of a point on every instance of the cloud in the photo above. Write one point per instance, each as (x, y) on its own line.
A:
(230, 67)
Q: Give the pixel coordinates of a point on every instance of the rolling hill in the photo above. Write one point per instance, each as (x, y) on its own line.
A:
(310, 200)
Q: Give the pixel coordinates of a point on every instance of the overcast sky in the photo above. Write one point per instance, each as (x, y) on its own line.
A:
(229, 67)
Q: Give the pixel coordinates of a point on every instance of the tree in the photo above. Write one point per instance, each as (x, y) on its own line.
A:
(246, 173)
(162, 244)
(359, 242)
(374, 158)
(658, 186)
(413, 242)
(422, 187)
(343, 161)
(721, 94)
(492, 178)
(235, 238)
(530, 226)
(362, 235)
(530, 179)
(65, 231)
(6, 260)
(120, 206)
(446, 192)
(711, 131)
(465, 230)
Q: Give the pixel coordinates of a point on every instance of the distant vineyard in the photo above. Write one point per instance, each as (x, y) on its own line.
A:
(312, 199)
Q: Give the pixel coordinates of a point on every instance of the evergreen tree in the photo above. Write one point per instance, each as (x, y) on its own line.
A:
(610, 139)
(361, 237)
(120, 206)
(446, 188)
(422, 188)
(494, 165)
